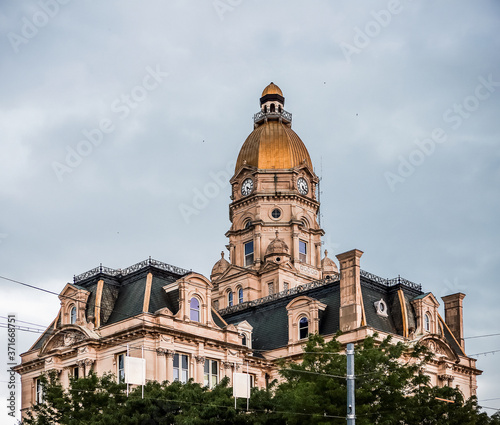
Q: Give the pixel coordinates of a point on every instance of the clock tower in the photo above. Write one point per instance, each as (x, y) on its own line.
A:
(275, 238)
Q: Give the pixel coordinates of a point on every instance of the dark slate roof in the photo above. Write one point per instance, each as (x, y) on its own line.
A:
(159, 298)
(371, 294)
(270, 320)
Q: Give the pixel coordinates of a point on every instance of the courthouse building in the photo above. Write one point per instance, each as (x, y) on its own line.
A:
(259, 304)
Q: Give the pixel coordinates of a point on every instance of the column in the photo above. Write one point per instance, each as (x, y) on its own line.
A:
(200, 368)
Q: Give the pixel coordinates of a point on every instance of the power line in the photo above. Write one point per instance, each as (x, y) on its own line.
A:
(481, 336)
(485, 353)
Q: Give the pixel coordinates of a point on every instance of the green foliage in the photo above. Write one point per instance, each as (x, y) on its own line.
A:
(391, 389)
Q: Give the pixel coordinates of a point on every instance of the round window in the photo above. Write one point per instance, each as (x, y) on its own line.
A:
(276, 213)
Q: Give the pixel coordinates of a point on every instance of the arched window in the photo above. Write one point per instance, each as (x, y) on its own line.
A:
(72, 315)
(272, 108)
(265, 109)
(244, 340)
(279, 109)
(240, 295)
(194, 309)
(229, 298)
(303, 328)
(248, 224)
(427, 322)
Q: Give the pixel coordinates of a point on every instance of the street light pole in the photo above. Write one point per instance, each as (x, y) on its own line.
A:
(351, 408)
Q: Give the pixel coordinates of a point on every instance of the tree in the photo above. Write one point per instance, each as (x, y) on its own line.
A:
(391, 387)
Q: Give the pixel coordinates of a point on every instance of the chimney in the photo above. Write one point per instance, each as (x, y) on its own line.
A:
(351, 304)
(453, 316)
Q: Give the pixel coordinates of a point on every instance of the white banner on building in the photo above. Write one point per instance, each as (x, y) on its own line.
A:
(135, 370)
(241, 385)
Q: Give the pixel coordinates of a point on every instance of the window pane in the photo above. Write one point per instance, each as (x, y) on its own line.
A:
(176, 360)
(230, 298)
(240, 296)
(176, 374)
(195, 310)
(249, 248)
(303, 328)
(184, 361)
(207, 366)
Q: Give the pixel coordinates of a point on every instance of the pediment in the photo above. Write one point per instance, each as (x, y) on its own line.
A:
(66, 337)
(233, 271)
(70, 290)
(439, 347)
(270, 266)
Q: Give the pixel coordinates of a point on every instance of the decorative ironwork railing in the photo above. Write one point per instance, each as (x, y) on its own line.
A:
(297, 290)
(124, 272)
(259, 116)
(391, 282)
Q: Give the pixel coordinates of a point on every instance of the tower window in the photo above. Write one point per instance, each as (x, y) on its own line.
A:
(302, 251)
(240, 295)
(303, 328)
(279, 109)
(248, 224)
(230, 298)
(72, 315)
(194, 310)
(249, 254)
(272, 107)
(276, 213)
(265, 109)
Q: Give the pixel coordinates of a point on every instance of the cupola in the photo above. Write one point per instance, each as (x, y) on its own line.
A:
(277, 251)
(219, 267)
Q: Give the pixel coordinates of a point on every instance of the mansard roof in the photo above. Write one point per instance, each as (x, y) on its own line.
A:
(269, 319)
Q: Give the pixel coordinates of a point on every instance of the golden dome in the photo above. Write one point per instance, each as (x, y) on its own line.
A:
(273, 145)
(272, 89)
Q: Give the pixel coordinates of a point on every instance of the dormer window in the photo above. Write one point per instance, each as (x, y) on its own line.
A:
(72, 315)
(303, 328)
(244, 340)
(427, 322)
(194, 310)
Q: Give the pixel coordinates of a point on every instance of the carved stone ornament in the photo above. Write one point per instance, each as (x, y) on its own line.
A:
(227, 365)
(69, 339)
(83, 350)
(199, 359)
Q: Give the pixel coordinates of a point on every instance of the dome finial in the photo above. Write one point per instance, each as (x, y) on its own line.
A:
(222, 254)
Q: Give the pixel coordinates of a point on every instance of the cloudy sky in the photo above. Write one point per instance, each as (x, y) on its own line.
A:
(120, 124)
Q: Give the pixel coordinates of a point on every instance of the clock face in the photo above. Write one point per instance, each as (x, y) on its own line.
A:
(302, 186)
(247, 187)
